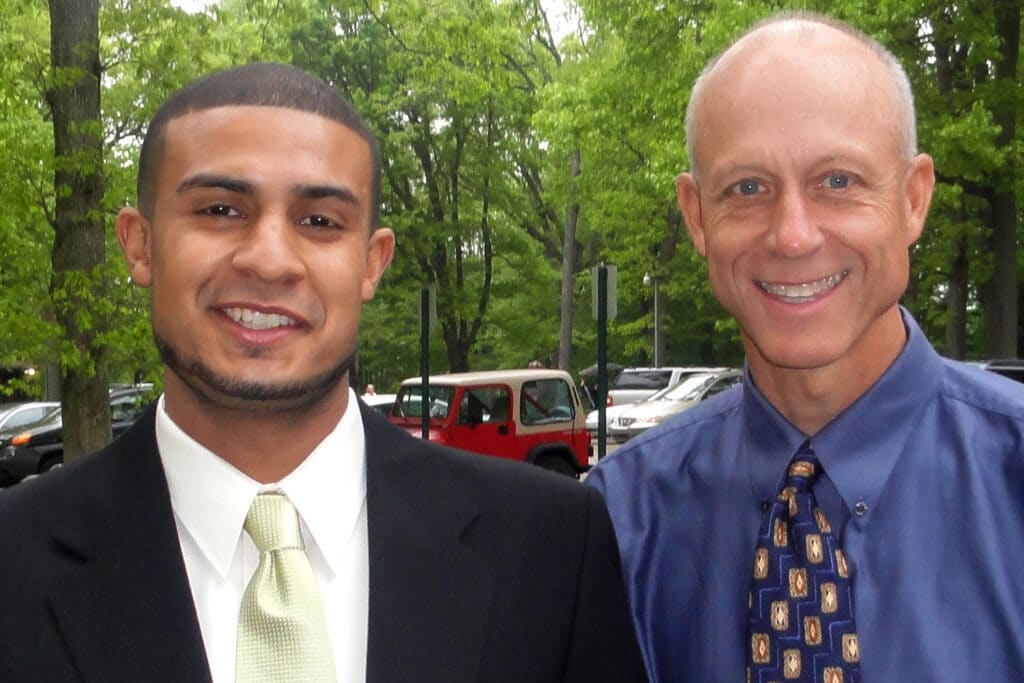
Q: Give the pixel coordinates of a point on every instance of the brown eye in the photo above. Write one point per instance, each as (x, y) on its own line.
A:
(318, 221)
(219, 210)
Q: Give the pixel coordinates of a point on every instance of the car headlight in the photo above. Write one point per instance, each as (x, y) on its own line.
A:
(21, 439)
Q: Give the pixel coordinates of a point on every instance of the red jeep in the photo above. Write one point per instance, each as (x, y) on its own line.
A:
(529, 415)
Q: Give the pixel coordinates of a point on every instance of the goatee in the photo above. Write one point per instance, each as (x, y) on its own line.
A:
(225, 392)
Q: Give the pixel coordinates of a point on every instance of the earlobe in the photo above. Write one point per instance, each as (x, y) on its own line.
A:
(919, 188)
(688, 199)
(134, 236)
(380, 251)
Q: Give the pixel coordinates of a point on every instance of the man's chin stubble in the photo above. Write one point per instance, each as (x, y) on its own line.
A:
(223, 392)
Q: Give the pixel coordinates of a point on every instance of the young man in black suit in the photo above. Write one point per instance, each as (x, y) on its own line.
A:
(257, 233)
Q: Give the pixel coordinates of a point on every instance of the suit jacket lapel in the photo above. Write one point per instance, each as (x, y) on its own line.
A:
(430, 594)
(124, 606)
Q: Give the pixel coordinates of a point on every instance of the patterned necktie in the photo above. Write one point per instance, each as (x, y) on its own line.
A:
(282, 632)
(801, 601)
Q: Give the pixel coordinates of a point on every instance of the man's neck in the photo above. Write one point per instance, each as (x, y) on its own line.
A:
(266, 445)
(811, 398)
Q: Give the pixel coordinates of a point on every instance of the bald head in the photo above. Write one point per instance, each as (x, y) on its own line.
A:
(788, 41)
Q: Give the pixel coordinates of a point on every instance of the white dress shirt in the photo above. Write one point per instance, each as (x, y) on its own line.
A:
(211, 498)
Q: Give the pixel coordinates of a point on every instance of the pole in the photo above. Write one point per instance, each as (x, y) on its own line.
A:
(602, 359)
(657, 322)
(425, 361)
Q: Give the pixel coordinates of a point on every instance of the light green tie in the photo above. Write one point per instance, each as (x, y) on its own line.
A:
(282, 632)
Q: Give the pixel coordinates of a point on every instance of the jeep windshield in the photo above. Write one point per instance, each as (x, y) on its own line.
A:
(410, 402)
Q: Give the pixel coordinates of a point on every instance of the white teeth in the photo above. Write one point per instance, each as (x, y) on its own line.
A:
(803, 292)
(256, 320)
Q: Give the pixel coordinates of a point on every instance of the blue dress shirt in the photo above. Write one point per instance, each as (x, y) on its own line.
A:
(924, 482)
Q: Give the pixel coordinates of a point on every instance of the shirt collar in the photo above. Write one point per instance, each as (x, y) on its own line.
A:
(859, 447)
(211, 498)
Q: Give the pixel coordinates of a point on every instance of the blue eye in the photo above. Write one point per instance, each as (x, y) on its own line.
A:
(747, 187)
(837, 181)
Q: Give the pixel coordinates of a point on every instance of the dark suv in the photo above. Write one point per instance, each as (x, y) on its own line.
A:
(36, 448)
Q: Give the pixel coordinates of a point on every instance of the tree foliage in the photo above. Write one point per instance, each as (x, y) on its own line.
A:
(483, 109)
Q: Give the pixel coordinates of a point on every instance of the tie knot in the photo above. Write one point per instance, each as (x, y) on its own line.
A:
(273, 524)
(804, 469)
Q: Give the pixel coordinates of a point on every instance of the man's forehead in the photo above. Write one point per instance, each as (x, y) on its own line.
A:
(787, 42)
(229, 114)
(791, 74)
(259, 129)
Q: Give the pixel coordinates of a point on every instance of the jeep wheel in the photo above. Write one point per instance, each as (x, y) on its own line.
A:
(557, 464)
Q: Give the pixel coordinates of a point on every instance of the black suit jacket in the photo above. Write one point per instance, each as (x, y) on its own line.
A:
(480, 570)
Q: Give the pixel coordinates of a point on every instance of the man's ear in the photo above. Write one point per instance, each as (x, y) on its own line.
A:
(378, 257)
(920, 185)
(688, 199)
(135, 237)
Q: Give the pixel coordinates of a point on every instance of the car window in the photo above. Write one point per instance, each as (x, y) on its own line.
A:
(125, 408)
(410, 401)
(484, 404)
(689, 389)
(543, 401)
(723, 384)
(643, 379)
(27, 416)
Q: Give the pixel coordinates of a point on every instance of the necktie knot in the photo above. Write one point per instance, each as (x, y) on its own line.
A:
(804, 469)
(273, 524)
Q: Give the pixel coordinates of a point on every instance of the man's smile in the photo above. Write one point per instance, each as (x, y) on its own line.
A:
(258, 320)
(802, 292)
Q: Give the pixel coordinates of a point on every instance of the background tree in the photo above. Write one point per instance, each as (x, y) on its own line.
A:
(76, 286)
(519, 153)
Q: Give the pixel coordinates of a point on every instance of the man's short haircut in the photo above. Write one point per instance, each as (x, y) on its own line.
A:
(903, 110)
(262, 84)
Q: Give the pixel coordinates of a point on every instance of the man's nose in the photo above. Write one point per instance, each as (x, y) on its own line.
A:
(270, 249)
(794, 229)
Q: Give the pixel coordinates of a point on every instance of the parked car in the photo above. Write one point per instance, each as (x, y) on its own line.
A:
(611, 413)
(637, 384)
(380, 402)
(641, 416)
(13, 415)
(530, 415)
(38, 447)
(1007, 367)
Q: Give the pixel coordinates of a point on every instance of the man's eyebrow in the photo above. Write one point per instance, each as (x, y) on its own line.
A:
(209, 180)
(342, 194)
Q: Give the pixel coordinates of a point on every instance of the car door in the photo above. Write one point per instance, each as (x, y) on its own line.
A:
(483, 422)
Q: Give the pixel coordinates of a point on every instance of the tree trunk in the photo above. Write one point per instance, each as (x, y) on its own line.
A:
(78, 248)
(572, 216)
(1001, 290)
(956, 303)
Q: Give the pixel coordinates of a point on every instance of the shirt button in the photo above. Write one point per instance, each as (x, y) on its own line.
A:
(860, 508)
(765, 504)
